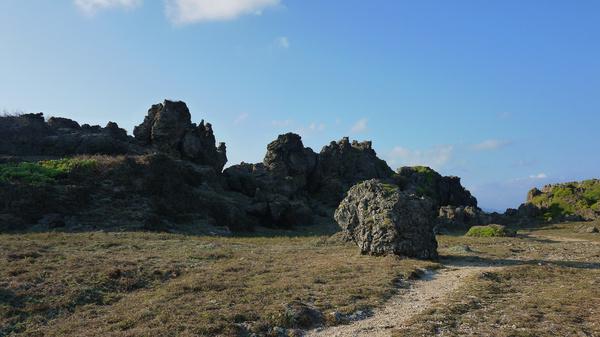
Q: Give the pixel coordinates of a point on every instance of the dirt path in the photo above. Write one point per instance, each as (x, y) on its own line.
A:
(432, 288)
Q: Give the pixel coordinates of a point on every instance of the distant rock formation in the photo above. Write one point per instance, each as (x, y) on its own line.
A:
(343, 164)
(445, 191)
(568, 201)
(32, 135)
(293, 182)
(383, 220)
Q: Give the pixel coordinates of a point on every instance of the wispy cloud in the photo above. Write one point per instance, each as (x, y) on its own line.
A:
(283, 42)
(539, 176)
(436, 157)
(504, 115)
(490, 144)
(241, 118)
(282, 123)
(360, 126)
(91, 7)
(193, 11)
(316, 127)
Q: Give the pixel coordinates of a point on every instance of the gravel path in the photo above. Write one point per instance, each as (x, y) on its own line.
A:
(431, 288)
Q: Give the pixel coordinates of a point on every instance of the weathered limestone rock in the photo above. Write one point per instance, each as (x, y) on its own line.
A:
(383, 220)
(168, 129)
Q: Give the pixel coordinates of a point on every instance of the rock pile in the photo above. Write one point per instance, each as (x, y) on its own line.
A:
(383, 220)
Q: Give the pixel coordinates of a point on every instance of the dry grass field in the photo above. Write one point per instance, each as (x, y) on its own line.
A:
(544, 282)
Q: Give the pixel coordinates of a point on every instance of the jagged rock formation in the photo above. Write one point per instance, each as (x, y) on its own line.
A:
(293, 182)
(457, 208)
(171, 173)
(462, 217)
(32, 135)
(383, 220)
(168, 129)
(444, 191)
(343, 164)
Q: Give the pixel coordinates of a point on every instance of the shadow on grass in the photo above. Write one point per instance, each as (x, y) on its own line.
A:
(476, 261)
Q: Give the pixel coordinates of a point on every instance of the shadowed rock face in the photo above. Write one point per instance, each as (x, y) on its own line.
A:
(445, 191)
(383, 220)
(181, 166)
(31, 135)
(343, 164)
(168, 129)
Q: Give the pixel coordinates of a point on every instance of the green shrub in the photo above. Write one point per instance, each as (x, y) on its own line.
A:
(490, 231)
(43, 172)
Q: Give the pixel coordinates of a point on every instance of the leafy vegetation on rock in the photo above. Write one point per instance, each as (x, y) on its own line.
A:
(43, 172)
(569, 199)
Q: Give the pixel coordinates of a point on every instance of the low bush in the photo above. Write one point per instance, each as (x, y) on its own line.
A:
(490, 231)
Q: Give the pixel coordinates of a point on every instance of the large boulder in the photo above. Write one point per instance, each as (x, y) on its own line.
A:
(168, 129)
(383, 220)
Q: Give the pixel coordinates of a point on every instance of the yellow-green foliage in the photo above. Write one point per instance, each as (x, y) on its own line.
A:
(43, 172)
(489, 231)
(569, 198)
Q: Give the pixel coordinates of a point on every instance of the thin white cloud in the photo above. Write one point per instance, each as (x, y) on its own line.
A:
(283, 42)
(194, 11)
(490, 144)
(316, 127)
(282, 123)
(91, 7)
(538, 176)
(241, 118)
(360, 126)
(436, 157)
(505, 115)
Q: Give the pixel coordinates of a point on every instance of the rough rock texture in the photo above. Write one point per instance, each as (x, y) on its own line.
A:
(171, 173)
(168, 129)
(343, 164)
(31, 135)
(462, 217)
(293, 183)
(383, 220)
(301, 315)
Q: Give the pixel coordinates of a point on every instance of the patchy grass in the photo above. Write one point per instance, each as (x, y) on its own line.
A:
(42, 172)
(132, 284)
(490, 231)
(525, 300)
(547, 284)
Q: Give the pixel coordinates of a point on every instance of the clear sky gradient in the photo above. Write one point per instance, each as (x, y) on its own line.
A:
(505, 94)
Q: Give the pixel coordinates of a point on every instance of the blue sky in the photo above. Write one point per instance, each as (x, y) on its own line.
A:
(505, 94)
